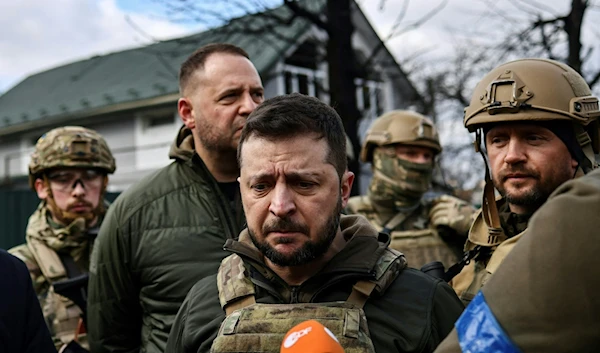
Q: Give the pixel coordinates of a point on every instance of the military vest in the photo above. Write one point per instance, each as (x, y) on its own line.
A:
(491, 251)
(255, 327)
(61, 314)
(411, 233)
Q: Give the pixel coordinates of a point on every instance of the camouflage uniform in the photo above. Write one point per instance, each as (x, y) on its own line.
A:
(50, 245)
(533, 90)
(394, 203)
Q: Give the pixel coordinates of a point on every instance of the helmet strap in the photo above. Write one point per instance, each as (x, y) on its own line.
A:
(489, 207)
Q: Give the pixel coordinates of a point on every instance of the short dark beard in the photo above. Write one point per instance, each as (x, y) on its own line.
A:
(534, 198)
(310, 251)
(540, 192)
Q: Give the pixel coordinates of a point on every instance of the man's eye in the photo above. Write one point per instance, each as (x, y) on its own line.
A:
(90, 175)
(305, 185)
(259, 187)
(229, 97)
(61, 178)
(534, 137)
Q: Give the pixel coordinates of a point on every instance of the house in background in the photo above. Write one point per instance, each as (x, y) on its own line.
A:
(130, 96)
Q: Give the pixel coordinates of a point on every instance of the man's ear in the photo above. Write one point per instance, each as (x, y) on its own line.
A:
(185, 110)
(41, 188)
(346, 187)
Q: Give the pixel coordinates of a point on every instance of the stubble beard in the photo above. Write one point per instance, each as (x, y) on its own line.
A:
(215, 140)
(535, 195)
(310, 250)
(66, 217)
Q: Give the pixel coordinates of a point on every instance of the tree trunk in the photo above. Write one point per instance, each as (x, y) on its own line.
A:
(341, 66)
(573, 24)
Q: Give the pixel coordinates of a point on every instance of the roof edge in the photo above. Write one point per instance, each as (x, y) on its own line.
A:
(60, 119)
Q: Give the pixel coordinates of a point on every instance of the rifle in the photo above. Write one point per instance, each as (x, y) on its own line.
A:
(76, 290)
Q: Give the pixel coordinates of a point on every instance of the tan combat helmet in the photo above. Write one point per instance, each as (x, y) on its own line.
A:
(70, 146)
(537, 90)
(533, 90)
(400, 126)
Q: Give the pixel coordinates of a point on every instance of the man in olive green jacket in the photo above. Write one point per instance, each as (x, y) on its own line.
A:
(543, 298)
(167, 232)
(299, 259)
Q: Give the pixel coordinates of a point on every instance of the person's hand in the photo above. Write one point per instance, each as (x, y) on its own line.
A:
(452, 212)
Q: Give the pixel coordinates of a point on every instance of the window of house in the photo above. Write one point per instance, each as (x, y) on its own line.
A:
(153, 121)
(302, 80)
(303, 84)
(369, 97)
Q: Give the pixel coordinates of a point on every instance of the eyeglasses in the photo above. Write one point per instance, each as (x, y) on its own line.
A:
(66, 181)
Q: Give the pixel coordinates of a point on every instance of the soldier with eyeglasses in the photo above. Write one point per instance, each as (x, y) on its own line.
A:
(69, 172)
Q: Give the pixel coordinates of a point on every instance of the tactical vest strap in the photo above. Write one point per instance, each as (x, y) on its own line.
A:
(360, 293)
(467, 257)
(399, 218)
(239, 304)
(50, 264)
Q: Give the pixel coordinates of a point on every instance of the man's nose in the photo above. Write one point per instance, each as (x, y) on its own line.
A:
(78, 187)
(515, 152)
(422, 159)
(282, 202)
(247, 105)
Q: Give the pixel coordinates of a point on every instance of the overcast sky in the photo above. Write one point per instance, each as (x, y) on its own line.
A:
(40, 34)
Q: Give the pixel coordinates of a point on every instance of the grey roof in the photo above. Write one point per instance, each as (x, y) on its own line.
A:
(73, 90)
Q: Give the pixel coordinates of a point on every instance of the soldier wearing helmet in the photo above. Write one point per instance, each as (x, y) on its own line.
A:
(68, 171)
(538, 122)
(402, 146)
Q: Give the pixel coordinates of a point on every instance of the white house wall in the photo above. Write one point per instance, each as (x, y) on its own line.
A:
(11, 161)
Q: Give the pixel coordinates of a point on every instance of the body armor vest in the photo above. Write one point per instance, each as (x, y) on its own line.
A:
(61, 314)
(410, 232)
(491, 251)
(255, 327)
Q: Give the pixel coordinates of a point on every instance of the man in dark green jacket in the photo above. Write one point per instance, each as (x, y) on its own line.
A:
(299, 259)
(167, 232)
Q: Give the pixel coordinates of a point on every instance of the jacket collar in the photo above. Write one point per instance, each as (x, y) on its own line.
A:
(363, 249)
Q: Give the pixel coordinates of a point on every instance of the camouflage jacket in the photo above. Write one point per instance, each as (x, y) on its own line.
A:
(46, 244)
(412, 233)
(492, 252)
(412, 315)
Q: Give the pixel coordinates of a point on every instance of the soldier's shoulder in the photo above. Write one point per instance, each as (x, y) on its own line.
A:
(359, 204)
(23, 253)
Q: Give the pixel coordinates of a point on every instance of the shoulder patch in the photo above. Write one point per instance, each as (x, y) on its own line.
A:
(233, 281)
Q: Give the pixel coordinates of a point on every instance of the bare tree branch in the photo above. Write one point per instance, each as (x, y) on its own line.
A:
(423, 19)
(595, 79)
(537, 6)
(313, 17)
(398, 20)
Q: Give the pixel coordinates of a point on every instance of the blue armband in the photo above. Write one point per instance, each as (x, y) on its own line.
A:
(479, 331)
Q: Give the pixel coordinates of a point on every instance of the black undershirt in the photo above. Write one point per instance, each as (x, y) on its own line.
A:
(230, 190)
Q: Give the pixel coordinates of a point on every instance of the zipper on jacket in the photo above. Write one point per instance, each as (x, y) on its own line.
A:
(294, 294)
